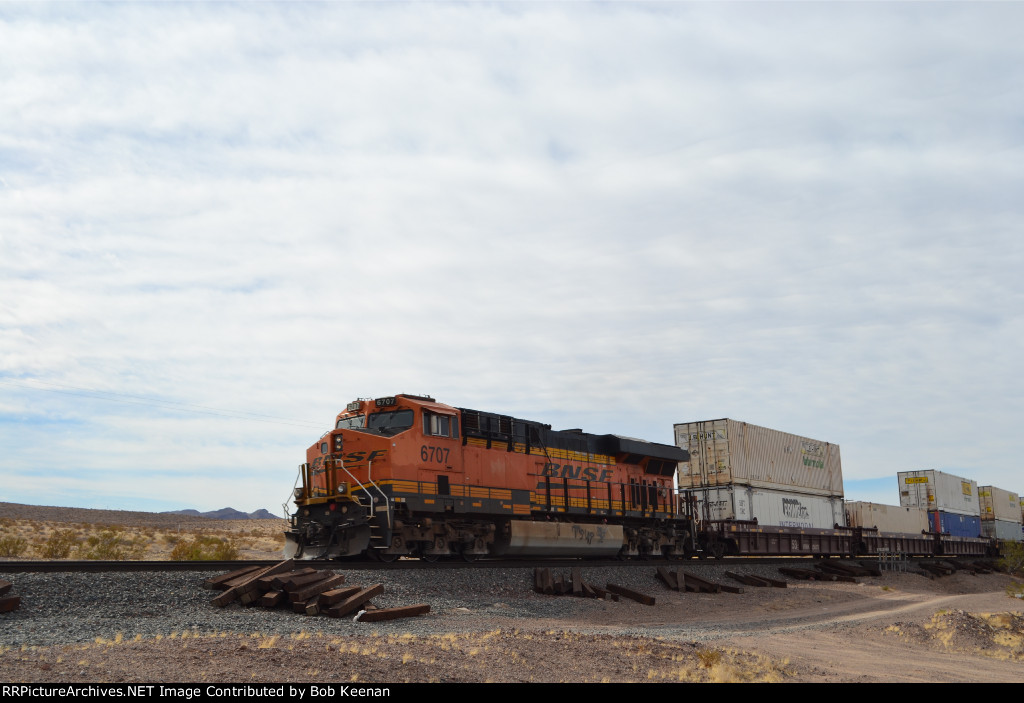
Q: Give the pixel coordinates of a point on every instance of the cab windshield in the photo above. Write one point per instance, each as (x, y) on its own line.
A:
(390, 422)
(350, 423)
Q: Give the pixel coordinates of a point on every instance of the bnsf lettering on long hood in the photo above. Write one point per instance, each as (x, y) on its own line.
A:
(588, 473)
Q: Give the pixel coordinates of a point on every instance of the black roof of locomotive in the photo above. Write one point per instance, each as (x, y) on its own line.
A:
(504, 428)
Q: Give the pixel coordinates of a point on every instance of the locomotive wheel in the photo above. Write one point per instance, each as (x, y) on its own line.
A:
(379, 555)
(421, 553)
(717, 550)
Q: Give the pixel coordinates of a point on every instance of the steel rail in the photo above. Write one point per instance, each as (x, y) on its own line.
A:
(40, 566)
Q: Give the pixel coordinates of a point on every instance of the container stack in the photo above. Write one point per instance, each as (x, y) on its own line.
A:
(1000, 513)
(740, 471)
(951, 501)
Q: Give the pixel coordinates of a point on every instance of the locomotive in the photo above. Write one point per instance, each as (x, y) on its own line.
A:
(406, 476)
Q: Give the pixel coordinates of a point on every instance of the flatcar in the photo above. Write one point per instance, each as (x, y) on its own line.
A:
(405, 475)
(745, 538)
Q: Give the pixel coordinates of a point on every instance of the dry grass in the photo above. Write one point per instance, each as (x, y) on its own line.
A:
(23, 538)
(994, 635)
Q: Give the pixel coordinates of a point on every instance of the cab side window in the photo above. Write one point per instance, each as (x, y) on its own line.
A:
(436, 425)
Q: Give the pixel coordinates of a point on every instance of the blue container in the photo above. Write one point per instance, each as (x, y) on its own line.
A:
(954, 523)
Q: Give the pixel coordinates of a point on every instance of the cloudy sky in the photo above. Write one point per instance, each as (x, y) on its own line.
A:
(219, 223)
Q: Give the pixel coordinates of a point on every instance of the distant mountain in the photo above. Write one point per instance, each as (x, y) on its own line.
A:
(227, 514)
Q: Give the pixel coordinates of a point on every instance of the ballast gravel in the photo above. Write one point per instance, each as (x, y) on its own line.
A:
(67, 608)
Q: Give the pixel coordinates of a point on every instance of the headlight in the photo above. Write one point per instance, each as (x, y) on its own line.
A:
(342, 487)
(337, 442)
(298, 493)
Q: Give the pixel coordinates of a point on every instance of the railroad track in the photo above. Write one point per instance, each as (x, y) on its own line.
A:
(37, 566)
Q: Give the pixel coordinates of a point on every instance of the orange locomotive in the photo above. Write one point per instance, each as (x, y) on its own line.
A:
(406, 475)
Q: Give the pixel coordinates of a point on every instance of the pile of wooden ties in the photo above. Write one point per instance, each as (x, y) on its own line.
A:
(305, 590)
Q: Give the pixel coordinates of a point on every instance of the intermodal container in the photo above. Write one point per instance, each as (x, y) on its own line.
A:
(769, 507)
(938, 491)
(887, 518)
(729, 452)
(1002, 529)
(955, 524)
(999, 504)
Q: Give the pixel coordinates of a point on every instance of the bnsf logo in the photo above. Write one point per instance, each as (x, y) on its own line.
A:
(588, 473)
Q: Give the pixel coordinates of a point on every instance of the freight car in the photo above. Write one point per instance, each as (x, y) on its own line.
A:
(746, 538)
(407, 476)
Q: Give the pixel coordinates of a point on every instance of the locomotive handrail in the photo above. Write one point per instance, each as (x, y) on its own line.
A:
(329, 468)
(295, 484)
(369, 478)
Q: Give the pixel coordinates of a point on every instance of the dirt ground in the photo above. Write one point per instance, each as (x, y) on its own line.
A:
(944, 631)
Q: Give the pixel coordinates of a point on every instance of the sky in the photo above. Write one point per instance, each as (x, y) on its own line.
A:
(220, 223)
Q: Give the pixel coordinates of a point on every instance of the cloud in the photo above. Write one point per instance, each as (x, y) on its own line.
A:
(616, 216)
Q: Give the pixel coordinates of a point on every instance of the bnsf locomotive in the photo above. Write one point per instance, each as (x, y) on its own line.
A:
(406, 475)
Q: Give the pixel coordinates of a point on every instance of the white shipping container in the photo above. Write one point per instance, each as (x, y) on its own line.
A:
(935, 490)
(729, 452)
(768, 507)
(887, 518)
(998, 504)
